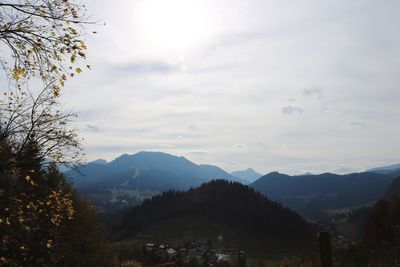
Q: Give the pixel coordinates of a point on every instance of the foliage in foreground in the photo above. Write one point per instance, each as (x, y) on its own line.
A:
(43, 38)
(43, 223)
(382, 233)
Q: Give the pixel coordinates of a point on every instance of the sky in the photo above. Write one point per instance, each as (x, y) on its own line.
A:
(290, 86)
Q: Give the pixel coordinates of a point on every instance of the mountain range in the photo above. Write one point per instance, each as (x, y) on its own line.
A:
(129, 179)
(146, 171)
(314, 196)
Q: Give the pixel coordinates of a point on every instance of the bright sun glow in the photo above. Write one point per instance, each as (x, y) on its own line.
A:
(175, 24)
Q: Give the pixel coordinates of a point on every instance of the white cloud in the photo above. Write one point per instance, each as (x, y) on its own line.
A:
(237, 83)
(292, 109)
(358, 124)
(239, 146)
(312, 91)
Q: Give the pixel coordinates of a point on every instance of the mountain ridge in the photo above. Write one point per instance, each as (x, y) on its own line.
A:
(313, 195)
(182, 172)
(392, 170)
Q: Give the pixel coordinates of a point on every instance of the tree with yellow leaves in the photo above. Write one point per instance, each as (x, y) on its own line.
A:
(44, 39)
(35, 206)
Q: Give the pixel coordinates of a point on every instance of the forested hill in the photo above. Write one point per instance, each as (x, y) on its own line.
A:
(230, 203)
(312, 195)
(394, 188)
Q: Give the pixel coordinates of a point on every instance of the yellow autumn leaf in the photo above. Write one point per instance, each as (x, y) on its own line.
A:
(18, 72)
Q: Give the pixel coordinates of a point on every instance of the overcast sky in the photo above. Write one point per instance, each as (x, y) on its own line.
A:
(291, 86)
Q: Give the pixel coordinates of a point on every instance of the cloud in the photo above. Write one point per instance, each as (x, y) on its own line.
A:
(236, 39)
(197, 152)
(115, 150)
(289, 110)
(92, 128)
(167, 145)
(312, 91)
(156, 67)
(263, 52)
(239, 146)
(358, 124)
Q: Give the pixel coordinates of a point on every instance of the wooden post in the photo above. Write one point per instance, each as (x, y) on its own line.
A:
(242, 259)
(325, 249)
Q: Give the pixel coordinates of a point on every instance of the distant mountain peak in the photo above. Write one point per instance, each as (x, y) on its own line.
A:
(123, 156)
(248, 174)
(99, 161)
(144, 152)
(155, 171)
(306, 173)
(275, 173)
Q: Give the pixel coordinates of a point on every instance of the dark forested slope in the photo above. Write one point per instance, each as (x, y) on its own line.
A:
(229, 203)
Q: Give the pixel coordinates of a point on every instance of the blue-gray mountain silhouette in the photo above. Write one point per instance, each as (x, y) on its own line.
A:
(146, 171)
(99, 161)
(392, 170)
(313, 195)
(249, 175)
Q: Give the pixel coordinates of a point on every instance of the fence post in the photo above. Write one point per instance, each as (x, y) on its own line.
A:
(242, 259)
(325, 249)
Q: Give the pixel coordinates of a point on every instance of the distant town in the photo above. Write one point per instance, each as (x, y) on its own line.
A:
(162, 254)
